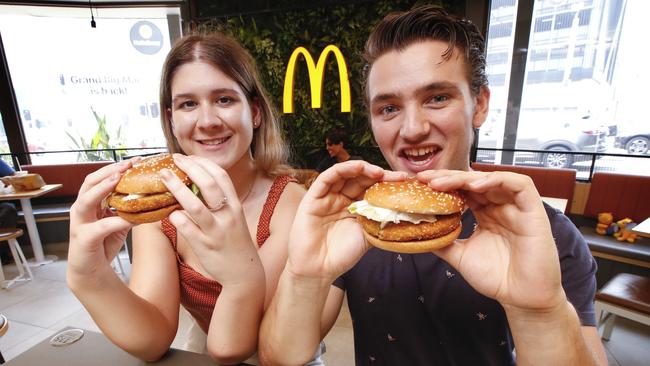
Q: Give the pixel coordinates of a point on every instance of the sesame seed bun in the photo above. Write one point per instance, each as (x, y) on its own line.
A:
(148, 216)
(414, 247)
(155, 202)
(413, 197)
(143, 177)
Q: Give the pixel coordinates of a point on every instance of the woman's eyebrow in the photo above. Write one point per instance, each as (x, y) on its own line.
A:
(214, 91)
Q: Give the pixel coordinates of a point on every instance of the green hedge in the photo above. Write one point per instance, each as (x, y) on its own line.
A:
(271, 37)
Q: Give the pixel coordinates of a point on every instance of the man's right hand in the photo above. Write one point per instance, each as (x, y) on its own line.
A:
(325, 239)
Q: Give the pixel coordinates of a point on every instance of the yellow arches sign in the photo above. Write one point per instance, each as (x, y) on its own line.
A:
(316, 74)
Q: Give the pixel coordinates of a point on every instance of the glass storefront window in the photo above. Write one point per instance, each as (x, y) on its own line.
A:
(584, 63)
(79, 87)
(499, 61)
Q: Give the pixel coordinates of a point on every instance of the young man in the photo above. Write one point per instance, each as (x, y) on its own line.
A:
(335, 144)
(521, 275)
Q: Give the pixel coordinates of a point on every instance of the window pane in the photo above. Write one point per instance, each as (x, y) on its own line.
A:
(581, 88)
(499, 58)
(588, 83)
(79, 87)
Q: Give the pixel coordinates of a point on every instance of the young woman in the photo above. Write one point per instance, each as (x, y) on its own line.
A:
(221, 257)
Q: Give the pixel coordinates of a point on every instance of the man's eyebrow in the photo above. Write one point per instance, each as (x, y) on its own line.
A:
(438, 85)
(435, 86)
(383, 97)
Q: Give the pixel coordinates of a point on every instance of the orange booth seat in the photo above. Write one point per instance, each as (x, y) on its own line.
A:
(624, 196)
(559, 183)
(621, 194)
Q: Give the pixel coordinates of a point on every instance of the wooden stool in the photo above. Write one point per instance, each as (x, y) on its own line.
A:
(625, 295)
(4, 325)
(24, 272)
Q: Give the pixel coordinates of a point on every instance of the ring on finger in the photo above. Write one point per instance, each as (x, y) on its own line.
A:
(220, 205)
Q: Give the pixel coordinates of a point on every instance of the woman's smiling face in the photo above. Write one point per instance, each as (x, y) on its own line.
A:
(210, 114)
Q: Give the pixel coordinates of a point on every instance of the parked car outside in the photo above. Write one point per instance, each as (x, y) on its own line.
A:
(634, 140)
(554, 136)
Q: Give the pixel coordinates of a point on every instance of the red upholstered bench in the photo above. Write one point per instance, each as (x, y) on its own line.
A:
(623, 195)
(549, 182)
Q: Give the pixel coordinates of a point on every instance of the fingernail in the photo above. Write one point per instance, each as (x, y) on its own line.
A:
(114, 176)
(178, 158)
(165, 173)
(479, 182)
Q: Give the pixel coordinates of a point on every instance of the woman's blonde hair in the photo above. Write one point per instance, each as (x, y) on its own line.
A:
(268, 148)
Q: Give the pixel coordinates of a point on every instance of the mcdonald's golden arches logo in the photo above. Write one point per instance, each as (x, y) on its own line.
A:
(316, 74)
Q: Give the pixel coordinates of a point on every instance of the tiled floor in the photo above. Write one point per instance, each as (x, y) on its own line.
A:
(37, 309)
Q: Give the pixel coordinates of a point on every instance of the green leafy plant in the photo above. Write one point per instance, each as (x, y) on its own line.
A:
(272, 36)
(99, 142)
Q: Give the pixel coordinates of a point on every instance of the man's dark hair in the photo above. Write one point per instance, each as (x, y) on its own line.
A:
(401, 29)
(336, 136)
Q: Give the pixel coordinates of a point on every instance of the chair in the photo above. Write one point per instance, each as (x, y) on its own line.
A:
(4, 325)
(24, 272)
(625, 295)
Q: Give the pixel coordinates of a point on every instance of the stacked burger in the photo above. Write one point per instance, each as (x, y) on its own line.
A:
(140, 196)
(409, 216)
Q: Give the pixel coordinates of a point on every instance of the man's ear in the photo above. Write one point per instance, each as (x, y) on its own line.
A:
(482, 107)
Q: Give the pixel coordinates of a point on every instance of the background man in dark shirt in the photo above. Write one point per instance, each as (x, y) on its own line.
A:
(335, 143)
(520, 276)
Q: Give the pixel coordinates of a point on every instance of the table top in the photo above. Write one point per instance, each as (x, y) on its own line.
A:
(95, 349)
(30, 194)
(559, 203)
(643, 228)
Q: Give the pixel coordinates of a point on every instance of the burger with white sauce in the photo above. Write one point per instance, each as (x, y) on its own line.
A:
(140, 196)
(409, 216)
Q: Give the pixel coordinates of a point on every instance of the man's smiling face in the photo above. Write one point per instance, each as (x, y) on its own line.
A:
(422, 109)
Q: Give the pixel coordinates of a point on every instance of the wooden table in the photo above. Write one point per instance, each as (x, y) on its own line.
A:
(95, 349)
(25, 202)
(559, 203)
(643, 229)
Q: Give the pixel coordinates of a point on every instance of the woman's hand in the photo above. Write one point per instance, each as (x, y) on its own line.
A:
(511, 256)
(325, 239)
(96, 235)
(215, 228)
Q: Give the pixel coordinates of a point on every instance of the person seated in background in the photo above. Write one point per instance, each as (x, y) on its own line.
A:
(520, 277)
(6, 169)
(335, 143)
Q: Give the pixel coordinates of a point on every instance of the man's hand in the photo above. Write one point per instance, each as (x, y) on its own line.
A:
(325, 239)
(511, 257)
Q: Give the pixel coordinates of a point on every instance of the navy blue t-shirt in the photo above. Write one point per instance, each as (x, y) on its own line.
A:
(415, 309)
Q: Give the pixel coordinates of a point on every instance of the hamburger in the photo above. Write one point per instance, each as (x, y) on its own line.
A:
(409, 216)
(140, 196)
